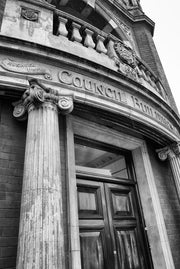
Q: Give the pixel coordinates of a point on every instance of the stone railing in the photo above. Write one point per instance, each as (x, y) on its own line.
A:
(79, 31)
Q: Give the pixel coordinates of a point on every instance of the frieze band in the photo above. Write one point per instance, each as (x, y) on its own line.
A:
(91, 85)
(83, 83)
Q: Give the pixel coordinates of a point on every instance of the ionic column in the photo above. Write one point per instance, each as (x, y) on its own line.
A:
(173, 154)
(41, 237)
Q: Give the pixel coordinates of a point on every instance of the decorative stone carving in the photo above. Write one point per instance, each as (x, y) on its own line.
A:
(127, 30)
(65, 104)
(37, 94)
(19, 111)
(125, 54)
(176, 147)
(25, 68)
(125, 59)
(30, 14)
(163, 153)
(170, 151)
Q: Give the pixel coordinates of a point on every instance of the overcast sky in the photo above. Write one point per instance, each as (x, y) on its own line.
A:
(166, 15)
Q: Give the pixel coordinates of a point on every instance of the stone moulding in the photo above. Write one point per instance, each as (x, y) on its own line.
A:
(25, 68)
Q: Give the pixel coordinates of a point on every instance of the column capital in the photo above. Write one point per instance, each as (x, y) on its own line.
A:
(170, 151)
(36, 95)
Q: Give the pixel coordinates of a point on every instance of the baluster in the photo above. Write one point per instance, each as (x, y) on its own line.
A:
(76, 37)
(62, 30)
(111, 51)
(100, 44)
(88, 42)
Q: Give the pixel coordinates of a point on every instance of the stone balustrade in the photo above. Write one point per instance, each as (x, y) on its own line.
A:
(81, 32)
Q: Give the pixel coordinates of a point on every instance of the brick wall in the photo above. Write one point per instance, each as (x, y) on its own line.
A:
(12, 142)
(149, 54)
(2, 6)
(169, 203)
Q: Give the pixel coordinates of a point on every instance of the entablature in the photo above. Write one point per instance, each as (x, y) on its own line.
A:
(92, 85)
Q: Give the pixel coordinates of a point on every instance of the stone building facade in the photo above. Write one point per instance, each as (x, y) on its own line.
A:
(89, 139)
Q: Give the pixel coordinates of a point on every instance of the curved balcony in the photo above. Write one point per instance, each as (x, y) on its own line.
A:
(67, 33)
(76, 30)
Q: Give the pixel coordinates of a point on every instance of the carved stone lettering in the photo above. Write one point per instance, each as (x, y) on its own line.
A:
(25, 68)
(126, 29)
(91, 85)
(29, 14)
(82, 83)
(150, 111)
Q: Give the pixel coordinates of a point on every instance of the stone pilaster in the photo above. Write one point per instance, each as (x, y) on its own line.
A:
(172, 153)
(41, 237)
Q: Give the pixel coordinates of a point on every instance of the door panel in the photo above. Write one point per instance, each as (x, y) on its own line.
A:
(120, 199)
(90, 201)
(127, 250)
(92, 249)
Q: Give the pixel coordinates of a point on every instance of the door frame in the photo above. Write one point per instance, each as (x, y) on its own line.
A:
(151, 207)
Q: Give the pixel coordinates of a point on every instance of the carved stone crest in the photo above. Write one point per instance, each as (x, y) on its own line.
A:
(125, 54)
(125, 59)
(29, 14)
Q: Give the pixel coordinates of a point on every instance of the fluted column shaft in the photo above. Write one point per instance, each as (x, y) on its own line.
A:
(41, 237)
(175, 167)
(172, 153)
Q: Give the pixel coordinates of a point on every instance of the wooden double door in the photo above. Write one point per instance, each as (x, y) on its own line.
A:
(111, 230)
